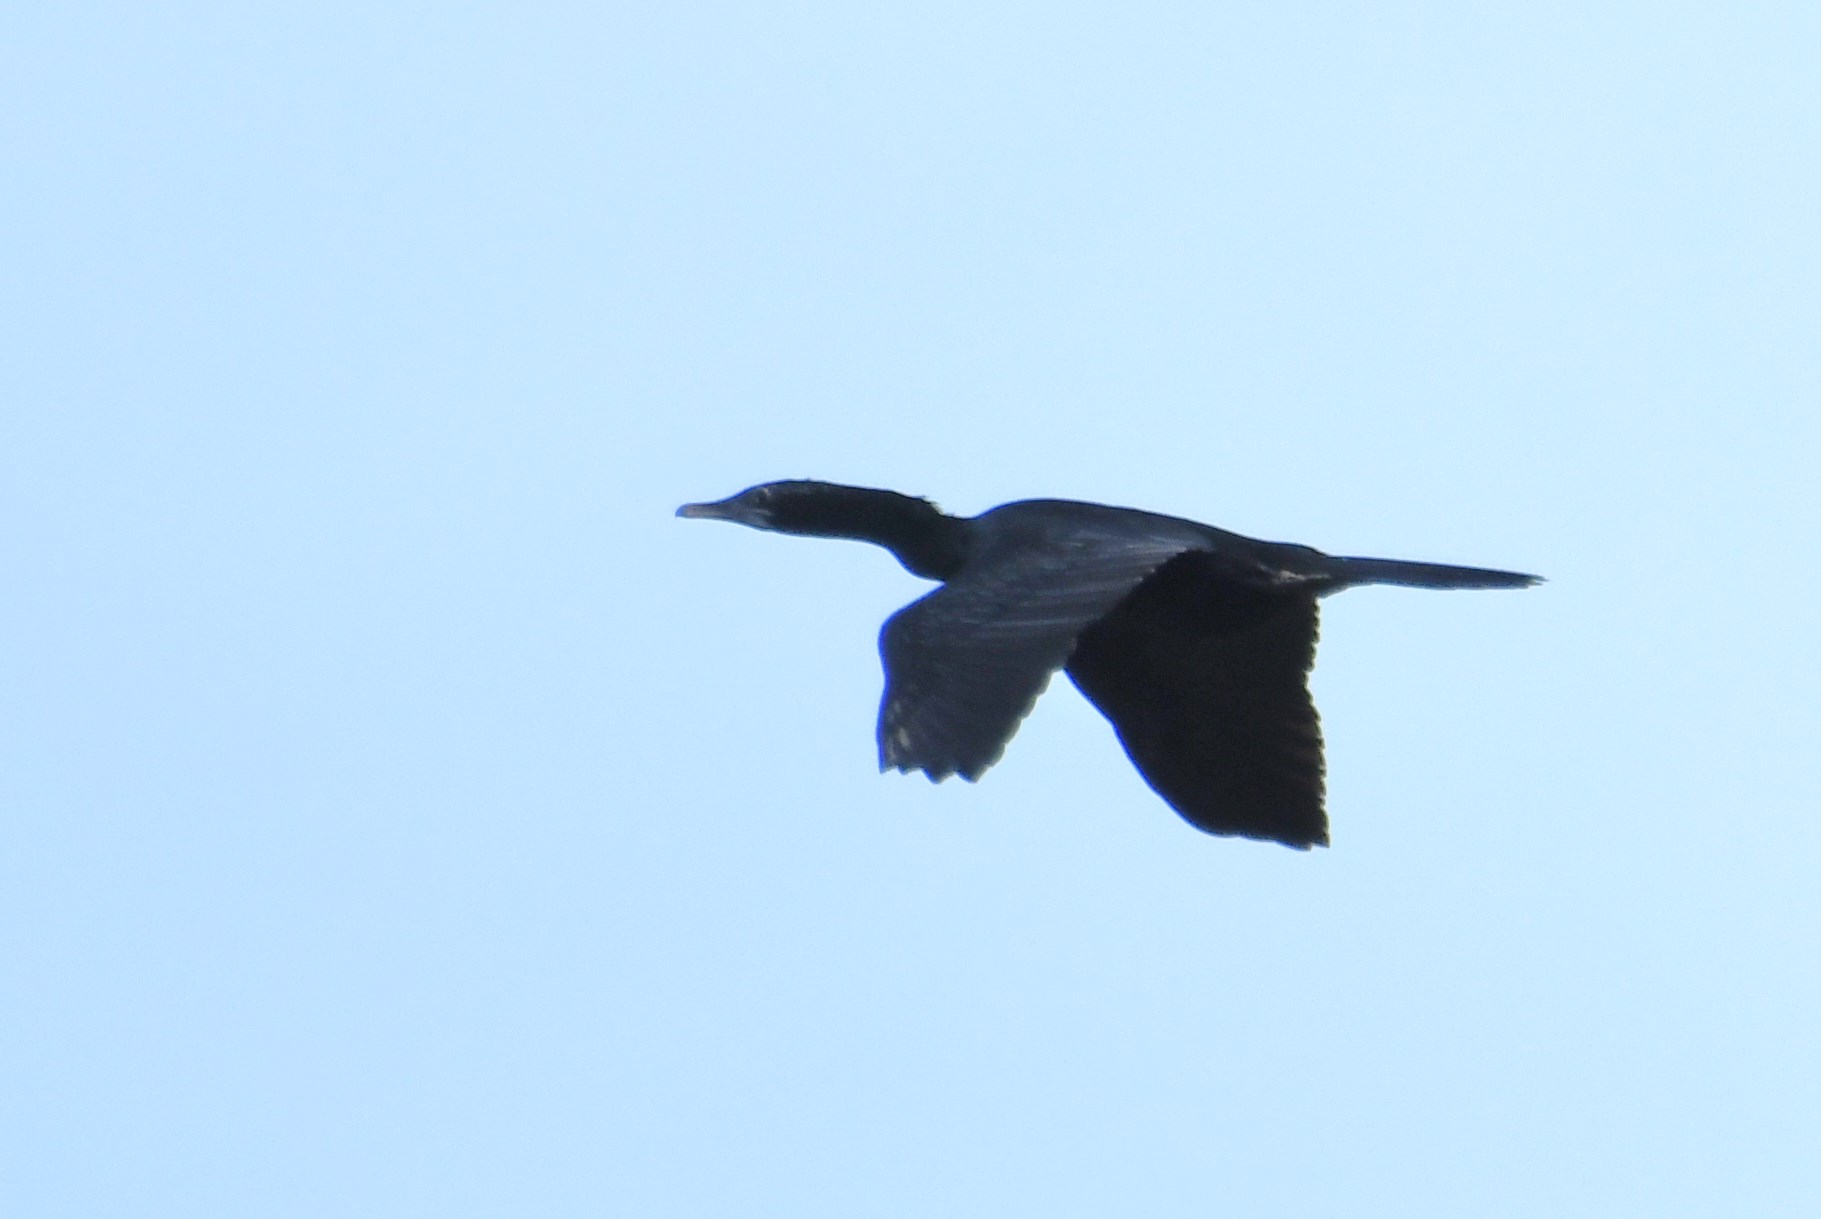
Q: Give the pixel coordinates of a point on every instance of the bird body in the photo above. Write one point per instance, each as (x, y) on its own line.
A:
(1195, 642)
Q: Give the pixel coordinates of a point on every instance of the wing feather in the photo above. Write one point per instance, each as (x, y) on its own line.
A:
(1206, 682)
(965, 664)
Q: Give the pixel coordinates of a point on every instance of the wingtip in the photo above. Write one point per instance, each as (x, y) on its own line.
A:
(934, 775)
(935, 772)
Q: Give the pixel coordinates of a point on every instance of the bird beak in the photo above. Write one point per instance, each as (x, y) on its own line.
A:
(746, 508)
(723, 510)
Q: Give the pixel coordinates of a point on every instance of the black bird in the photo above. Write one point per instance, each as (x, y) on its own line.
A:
(1195, 642)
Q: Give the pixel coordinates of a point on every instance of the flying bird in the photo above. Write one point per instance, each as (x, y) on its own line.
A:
(1196, 643)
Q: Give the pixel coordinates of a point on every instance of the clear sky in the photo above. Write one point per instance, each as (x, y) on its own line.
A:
(402, 813)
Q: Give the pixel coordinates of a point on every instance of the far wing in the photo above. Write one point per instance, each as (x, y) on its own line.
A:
(1206, 681)
(966, 663)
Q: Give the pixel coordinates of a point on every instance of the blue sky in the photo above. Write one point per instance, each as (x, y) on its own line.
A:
(404, 814)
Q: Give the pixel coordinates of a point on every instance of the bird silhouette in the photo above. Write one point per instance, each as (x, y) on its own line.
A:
(1195, 642)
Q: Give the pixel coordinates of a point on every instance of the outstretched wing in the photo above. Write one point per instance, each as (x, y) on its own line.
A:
(1206, 681)
(966, 663)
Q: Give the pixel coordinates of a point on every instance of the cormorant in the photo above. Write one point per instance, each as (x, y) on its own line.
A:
(1195, 642)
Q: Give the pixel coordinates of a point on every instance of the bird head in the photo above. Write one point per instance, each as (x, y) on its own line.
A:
(817, 509)
(755, 506)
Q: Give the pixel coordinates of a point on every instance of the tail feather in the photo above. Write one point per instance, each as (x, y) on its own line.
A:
(1429, 575)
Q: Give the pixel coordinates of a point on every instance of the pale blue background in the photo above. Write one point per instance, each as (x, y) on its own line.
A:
(405, 815)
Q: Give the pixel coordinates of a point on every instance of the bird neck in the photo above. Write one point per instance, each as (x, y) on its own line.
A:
(928, 541)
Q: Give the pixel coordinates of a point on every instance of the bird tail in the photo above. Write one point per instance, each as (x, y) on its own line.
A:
(1429, 575)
